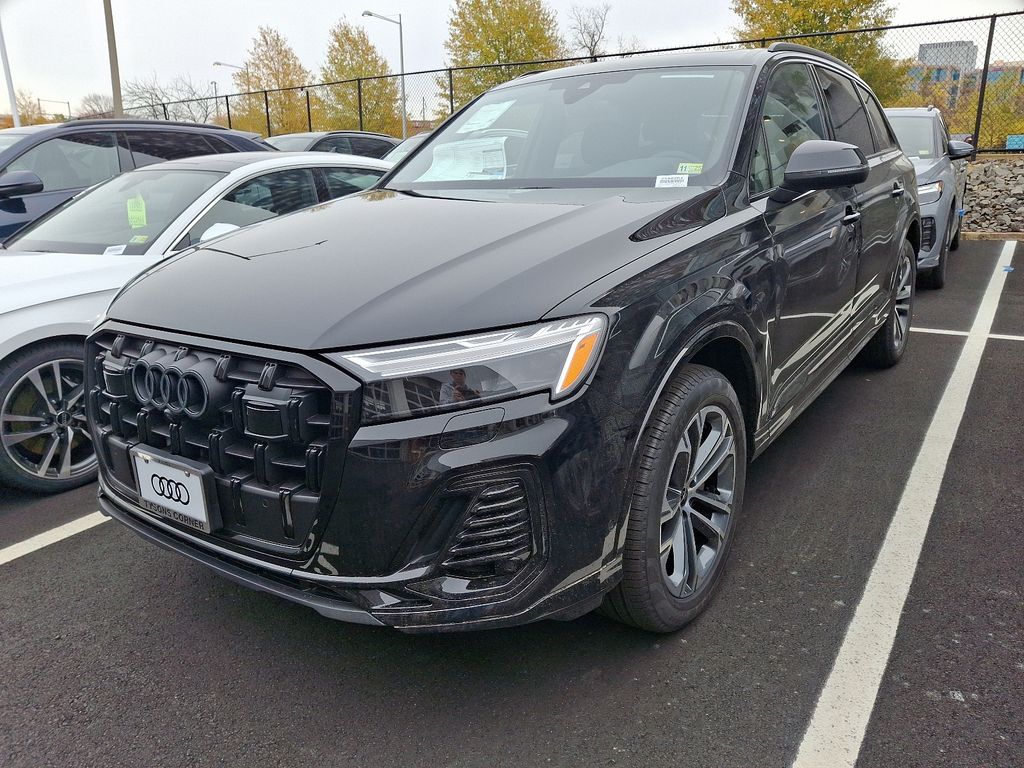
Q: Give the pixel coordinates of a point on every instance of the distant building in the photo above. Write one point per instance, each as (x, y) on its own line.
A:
(960, 55)
(1013, 70)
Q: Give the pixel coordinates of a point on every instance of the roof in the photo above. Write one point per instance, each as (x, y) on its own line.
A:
(115, 123)
(232, 161)
(318, 134)
(752, 57)
(912, 111)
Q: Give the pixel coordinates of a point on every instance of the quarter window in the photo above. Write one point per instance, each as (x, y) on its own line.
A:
(264, 197)
(367, 147)
(791, 116)
(848, 117)
(71, 162)
(347, 181)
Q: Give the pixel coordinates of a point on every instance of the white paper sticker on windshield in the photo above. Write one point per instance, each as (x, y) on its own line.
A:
(484, 117)
(114, 250)
(471, 159)
(673, 180)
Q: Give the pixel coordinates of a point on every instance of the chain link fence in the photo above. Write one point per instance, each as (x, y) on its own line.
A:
(972, 69)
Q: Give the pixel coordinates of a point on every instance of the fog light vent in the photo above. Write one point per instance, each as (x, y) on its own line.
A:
(496, 537)
(927, 233)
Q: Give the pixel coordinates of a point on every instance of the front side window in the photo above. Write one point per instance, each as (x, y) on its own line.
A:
(71, 162)
(125, 215)
(148, 147)
(267, 196)
(663, 127)
(347, 181)
(849, 120)
(791, 116)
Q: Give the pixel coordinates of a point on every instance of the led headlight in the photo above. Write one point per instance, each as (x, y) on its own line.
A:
(929, 193)
(414, 379)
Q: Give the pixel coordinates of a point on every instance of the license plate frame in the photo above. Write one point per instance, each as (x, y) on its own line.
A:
(176, 489)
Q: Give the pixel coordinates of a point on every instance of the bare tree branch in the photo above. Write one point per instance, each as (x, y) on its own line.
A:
(587, 28)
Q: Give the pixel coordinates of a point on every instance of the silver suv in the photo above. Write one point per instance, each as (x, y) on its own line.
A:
(941, 167)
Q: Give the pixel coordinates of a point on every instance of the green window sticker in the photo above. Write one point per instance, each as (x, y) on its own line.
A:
(690, 168)
(139, 239)
(136, 212)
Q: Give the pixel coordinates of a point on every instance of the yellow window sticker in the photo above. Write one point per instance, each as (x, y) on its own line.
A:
(136, 212)
(690, 168)
(139, 239)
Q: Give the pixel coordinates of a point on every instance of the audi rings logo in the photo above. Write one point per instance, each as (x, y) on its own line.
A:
(175, 385)
(169, 489)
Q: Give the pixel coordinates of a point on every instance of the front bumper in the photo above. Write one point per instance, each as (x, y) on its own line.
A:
(934, 222)
(395, 536)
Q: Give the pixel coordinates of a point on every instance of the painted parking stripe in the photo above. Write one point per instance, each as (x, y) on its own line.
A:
(52, 536)
(836, 731)
(948, 332)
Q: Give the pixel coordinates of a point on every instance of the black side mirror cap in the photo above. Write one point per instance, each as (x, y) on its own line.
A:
(958, 150)
(18, 183)
(818, 164)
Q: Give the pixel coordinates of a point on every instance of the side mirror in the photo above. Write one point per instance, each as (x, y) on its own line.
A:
(958, 150)
(818, 164)
(18, 183)
(216, 230)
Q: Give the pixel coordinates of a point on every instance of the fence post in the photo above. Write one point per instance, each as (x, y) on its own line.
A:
(359, 100)
(227, 108)
(984, 82)
(266, 107)
(764, 43)
(451, 93)
(165, 112)
(309, 113)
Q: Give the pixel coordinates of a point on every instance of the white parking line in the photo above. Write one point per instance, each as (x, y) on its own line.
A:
(52, 536)
(836, 731)
(948, 332)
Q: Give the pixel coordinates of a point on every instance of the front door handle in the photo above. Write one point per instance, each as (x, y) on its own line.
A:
(852, 217)
(897, 190)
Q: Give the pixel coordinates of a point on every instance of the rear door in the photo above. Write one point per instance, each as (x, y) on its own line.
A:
(816, 246)
(874, 200)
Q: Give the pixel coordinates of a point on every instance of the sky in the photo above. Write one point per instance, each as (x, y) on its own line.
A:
(57, 48)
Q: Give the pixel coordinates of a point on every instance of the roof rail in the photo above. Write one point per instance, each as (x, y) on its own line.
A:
(140, 121)
(796, 48)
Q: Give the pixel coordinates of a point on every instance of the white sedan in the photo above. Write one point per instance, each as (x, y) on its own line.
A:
(58, 275)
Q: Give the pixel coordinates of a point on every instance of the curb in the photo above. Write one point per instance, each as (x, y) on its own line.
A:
(992, 235)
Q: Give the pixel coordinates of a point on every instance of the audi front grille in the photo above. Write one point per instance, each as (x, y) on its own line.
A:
(263, 426)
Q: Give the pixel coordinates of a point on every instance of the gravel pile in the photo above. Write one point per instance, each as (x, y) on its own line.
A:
(995, 195)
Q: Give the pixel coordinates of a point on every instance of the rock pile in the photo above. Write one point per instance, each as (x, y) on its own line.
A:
(995, 195)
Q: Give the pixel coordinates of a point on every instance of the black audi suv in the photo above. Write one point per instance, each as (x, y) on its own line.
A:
(523, 377)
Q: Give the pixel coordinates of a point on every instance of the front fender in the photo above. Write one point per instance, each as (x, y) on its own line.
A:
(69, 317)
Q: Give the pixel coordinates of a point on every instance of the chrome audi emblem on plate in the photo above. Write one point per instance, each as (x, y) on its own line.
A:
(169, 489)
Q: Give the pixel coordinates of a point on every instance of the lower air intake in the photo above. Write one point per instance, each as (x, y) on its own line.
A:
(496, 537)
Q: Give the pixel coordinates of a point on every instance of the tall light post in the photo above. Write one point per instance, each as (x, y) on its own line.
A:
(115, 75)
(248, 81)
(10, 82)
(401, 58)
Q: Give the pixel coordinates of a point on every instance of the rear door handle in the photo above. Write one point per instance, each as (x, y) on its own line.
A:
(897, 190)
(852, 217)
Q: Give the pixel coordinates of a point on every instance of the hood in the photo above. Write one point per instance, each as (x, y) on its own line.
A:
(387, 266)
(30, 278)
(928, 169)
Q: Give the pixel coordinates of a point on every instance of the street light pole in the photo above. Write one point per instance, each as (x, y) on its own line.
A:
(401, 61)
(10, 82)
(115, 75)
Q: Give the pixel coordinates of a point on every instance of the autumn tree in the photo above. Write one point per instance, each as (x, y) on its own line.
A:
(271, 65)
(29, 111)
(496, 32)
(351, 55)
(587, 28)
(864, 51)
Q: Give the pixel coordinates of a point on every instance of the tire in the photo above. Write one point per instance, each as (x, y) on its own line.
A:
(658, 593)
(887, 346)
(34, 400)
(935, 278)
(954, 244)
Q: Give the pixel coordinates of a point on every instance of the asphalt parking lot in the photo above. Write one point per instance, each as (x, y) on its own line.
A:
(117, 653)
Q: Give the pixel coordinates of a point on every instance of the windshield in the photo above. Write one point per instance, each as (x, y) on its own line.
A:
(291, 143)
(916, 136)
(666, 127)
(10, 139)
(123, 215)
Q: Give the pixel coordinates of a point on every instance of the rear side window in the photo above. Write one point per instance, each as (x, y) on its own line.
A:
(339, 144)
(849, 119)
(71, 162)
(148, 147)
(367, 147)
(883, 136)
(347, 181)
(264, 197)
(791, 116)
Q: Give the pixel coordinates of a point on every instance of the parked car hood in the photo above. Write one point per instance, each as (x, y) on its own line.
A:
(386, 266)
(29, 278)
